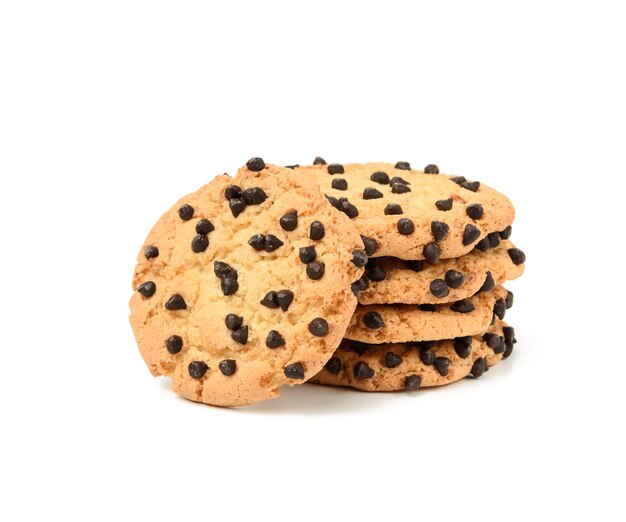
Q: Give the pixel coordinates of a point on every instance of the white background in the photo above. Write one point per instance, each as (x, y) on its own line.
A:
(109, 111)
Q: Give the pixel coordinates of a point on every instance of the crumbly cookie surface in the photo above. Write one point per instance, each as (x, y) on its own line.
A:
(245, 286)
(412, 214)
(410, 366)
(393, 280)
(398, 323)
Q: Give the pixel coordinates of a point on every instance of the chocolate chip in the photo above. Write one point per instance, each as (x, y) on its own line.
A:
(474, 210)
(463, 346)
(270, 300)
(403, 165)
(348, 209)
(415, 265)
(147, 289)
(317, 230)
(257, 242)
(464, 306)
(237, 206)
(373, 320)
(509, 334)
(392, 360)
(254, 196)
(359, 258)
(517, 256)
(232, 191)
(471, 185)
(174, 344)
(506, 233)
(398, 188)
(307, 254)
(185, 212)
(204, 226)
(292, 166)
(405, 226)
(427, 356)
(359, 347)
(289, 221)
(333, 366)
(441, 365)
(439, 288)
(285, 297)
(470, 234)
(228, 367)
(362, 283)
(197, 369)
(398, 180)
(233, 321)
(240, 335)
(508, 350)
(439, 230)
(229, 285)
(459, 180)
(431, 253)
(362, 371)
(431, 169)
(494, 239)
(478, 368)
(199, 243)
(319, 161)
(318, 327)
(427, 307)
(371, 245)
(484, 244)
(375, 273)
(509, 299)
(444, 204)
(495, 342)
(380, 177)
(335, 168)
(274, 339)
(454, 279)
(489, 283)
(294, 371)
(339, 184)
(176, 302)
(372, 193)
(393, 209)
(315, 271)
(221, 269)
(151, 252)
(500, 308)
(272, 243)
(255, 164)
(412, 382)
(334, 202)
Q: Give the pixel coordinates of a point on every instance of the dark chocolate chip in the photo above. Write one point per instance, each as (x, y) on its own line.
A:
(375, 273)
(185, 212)
(319, 161)
(229, 285)
(427, 307)
(335, 168)
(333, 366)
(405, 226)
(349, 209)
(380, 177)
(254, 196)
(499, 308)
(415, 265)
(484, 244)
(257, 242)
(398, 180)
(489, 283)
(478, 368)
(237, 206)
(272, 243)
(362, 283)
(270, 300)
(228, 367)
(463, 346)
(373, 320)
(359, 258)
(285, 297)
(176, 302)
(412, 382)
(454, 278)
(221, 269)
(372, 193)
(398, 188)
(517, 256)
(151, 252)
(233, 321)
(431, 253)
(307, 254)
(362, 371)
(439, 230)
(199, 243)
(427, 356)
(255, 164)
(403, 165)
(240, 335)
(464, 306)
(315, 270)
(474, 210)
(318, 327)
(292, 166)
(274, 339)
(147, 289)
(471, 185)
(294, 371)
(494, 341)
(439, 288)
(289, 221)
(494, 239)
(459, 180)
(371, 245)
(393, 209)
(204, 226)
(359, 347)
(442, 364)
(509, 299)
(339, 184)
(470, 234)
(334, 202)
(317, 230)
(444, 204)
(232, 191)
(431, 169)
(509, 334)
(506, 233)
(174, 344)
(392, 360)
(197, 369)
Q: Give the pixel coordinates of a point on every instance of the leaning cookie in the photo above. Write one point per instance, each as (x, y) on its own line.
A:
(410, 366)
(399, 323)
(393, 280)
(245, 286)
(413, 214)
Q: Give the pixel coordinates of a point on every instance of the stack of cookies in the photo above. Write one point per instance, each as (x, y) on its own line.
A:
(374, 276)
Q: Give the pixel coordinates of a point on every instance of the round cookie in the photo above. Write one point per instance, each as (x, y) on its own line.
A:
(410, 366)
(393, 280)
(399, 323)
(411, 214)
(245, 286)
